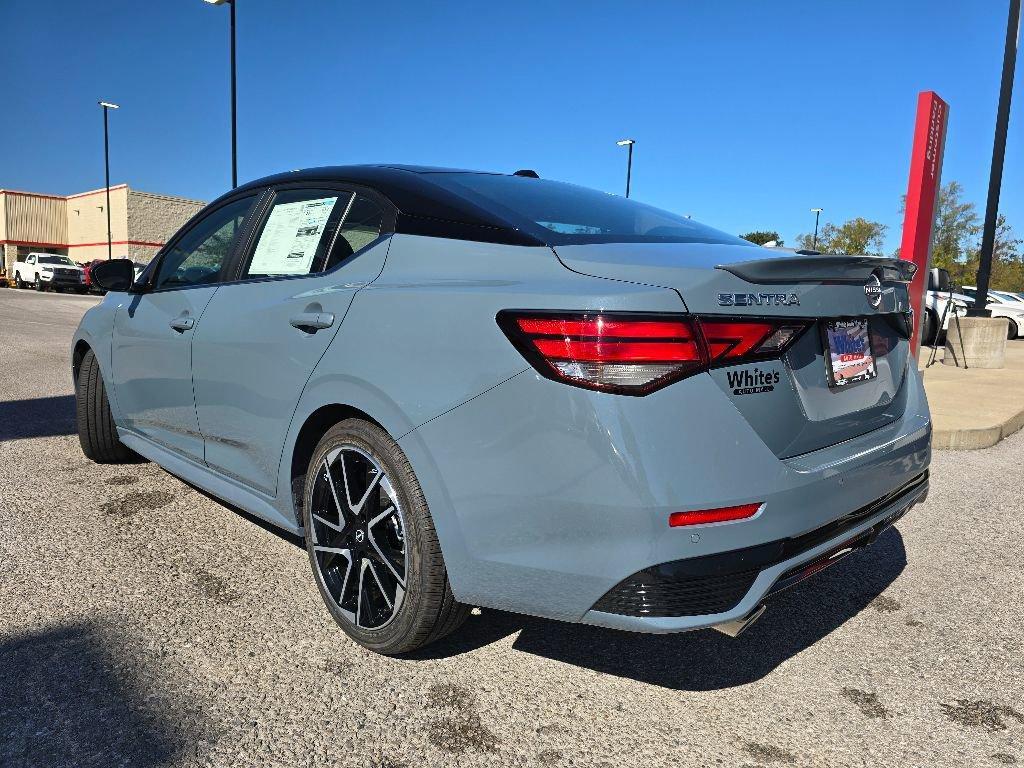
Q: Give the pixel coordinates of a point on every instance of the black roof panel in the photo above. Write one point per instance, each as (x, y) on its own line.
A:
(424, 207)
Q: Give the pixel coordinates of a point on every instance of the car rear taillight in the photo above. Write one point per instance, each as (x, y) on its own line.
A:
(638, 353)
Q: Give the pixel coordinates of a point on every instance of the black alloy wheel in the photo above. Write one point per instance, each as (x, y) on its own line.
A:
(359, 537)
(371, 542)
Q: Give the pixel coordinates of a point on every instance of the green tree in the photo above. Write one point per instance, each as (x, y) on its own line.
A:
(956, 227)
(855, 236)
(760, 237)
(1007, 260)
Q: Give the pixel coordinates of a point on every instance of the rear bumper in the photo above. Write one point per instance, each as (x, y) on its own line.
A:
(546, 497)
(703, 592)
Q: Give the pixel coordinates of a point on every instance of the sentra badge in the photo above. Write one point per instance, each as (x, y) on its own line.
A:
(758, 300)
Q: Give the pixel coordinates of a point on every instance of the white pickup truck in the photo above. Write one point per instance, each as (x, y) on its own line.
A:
(49, 270)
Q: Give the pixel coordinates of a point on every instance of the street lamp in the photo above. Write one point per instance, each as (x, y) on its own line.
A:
(817, 214)
(629, 162)
(234, 131)
(107, 105)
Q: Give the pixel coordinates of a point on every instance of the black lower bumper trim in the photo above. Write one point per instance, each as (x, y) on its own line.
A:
(700, 586)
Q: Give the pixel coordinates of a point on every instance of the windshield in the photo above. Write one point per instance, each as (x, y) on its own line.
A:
(561, 213)
(56, 260)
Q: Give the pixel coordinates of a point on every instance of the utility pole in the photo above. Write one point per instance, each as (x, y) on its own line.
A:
(106, 171)
(995, 179)
(629, 161)
(817, 214)
(234, 110)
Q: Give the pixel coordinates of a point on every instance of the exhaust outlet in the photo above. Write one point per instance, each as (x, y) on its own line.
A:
(736, 627)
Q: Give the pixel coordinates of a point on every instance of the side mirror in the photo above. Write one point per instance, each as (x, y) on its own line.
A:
(115, 275)
(938, 280)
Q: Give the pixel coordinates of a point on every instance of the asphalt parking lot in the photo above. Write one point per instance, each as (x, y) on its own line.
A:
(144, 624)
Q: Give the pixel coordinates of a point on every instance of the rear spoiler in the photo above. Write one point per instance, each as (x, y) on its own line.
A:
(822, 269)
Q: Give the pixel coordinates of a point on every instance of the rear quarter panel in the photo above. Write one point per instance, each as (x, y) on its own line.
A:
(423, 339)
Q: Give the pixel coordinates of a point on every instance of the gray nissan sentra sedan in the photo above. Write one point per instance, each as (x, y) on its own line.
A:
(503, 391)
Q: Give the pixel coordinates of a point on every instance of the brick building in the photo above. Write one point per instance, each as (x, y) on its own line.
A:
(76, 225)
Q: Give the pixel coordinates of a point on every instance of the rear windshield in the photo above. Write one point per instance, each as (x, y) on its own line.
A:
(566, 214)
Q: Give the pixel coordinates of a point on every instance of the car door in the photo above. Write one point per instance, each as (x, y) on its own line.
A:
(264, 332)
(153, 330)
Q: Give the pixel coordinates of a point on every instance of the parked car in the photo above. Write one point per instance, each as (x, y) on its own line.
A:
(45, 271)
(999, 297)
(495, 390)
(87, 275)
(1001, 306)
(1007, 296)
(937, 315)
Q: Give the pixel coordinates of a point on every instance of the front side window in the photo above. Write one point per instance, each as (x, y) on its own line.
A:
(197, 257)
(567, 214)
(311, 231)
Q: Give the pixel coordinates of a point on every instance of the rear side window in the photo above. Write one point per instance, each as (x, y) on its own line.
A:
(310, 231)
(361, 227)
(561, 213)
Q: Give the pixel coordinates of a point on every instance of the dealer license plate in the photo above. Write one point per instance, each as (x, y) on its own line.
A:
(848, 357)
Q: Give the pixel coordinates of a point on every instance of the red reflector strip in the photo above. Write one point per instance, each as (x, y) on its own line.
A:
(604, 327)
(618, 351)
(721, 515)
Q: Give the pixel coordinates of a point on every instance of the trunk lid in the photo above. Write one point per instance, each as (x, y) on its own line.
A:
(790, 401)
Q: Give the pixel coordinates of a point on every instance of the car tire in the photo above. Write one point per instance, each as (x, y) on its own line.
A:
(18, 282)
(1012, 331)
(929, 334)
(390, 592)
(96, 430)
(39, 284)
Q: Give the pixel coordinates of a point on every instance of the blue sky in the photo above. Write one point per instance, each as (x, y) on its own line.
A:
(746, 114)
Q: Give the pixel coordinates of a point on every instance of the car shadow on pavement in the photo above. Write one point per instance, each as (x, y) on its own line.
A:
(287, 536)
(704, 660)
(70, 696)
(38, 417)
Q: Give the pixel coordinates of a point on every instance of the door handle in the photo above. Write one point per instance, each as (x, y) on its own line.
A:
(312, 321)
(182, 324)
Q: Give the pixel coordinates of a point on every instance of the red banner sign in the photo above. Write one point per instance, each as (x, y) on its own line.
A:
(922, 193)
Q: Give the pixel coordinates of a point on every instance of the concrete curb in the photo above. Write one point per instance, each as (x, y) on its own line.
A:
(981, 437)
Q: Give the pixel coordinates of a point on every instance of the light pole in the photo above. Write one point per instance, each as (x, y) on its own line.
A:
(629, 162)
(995, 178)
(234, 124)
(817, 215)
(107, 105)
